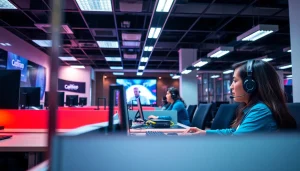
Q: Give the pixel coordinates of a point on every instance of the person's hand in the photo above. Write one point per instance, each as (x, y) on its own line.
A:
(152, 117)
(194, 130)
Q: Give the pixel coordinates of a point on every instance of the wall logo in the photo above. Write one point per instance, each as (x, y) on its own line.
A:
(17, 63)
(72, 86)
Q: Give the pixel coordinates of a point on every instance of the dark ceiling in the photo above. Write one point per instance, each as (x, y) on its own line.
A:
(205, 25)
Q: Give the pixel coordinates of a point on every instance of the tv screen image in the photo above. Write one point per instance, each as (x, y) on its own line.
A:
(143, 88)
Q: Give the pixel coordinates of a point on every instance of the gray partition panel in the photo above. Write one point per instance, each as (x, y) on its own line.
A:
(172, 113)
(193, 153)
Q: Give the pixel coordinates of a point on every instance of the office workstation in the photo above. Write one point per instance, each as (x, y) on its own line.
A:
(57, 73)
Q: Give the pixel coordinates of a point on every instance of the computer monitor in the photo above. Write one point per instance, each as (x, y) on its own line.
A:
(72, 100)
(139, 116)
(60, 100)
(9, 89)
(82, 101)
(29, 96)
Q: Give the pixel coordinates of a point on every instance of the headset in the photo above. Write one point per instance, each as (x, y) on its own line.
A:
(249, 84)
(173, 95)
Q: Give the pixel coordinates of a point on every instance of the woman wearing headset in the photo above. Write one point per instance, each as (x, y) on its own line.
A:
(256, 86)
(176, 103)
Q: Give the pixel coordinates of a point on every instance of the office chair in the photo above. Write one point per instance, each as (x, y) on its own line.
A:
(294, 109)
(200, 116)
(224, 116)
(191, 110)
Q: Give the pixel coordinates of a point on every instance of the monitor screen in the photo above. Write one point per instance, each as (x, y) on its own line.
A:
(140, 114)
(82, 101)
(60, 101)
(145, 89)
(9, 89)
(29, 96)
(72, 100)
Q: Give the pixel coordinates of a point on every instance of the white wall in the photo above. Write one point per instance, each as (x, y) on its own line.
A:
(79, 75)
(26, 50)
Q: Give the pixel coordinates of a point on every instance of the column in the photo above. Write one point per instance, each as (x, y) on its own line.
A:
(294, 14)
(188, 83)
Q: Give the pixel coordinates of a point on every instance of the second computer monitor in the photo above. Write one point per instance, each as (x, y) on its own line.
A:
(140, 110)
(60, 100)
(72, 100)
(82, 101)
(29, 96)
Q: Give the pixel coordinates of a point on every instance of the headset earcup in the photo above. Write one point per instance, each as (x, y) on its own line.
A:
(249, 85)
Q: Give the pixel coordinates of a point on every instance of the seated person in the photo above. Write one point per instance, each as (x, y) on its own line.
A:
(144, 100)
(176, 103)
(262, 109)
(165, 103)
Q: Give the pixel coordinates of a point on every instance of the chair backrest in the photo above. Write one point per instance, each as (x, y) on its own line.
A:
(224, 116)
(294, 109)
(191, 110)
(200, 116)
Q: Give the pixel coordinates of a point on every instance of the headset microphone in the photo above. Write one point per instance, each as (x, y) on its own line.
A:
(237, 96)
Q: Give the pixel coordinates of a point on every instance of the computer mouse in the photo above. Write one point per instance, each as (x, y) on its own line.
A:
(172, 133)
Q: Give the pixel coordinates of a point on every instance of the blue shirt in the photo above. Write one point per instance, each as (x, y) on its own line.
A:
(182, 114)
(257, 119)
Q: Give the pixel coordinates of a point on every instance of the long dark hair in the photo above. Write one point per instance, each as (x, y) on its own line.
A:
(268, 91)
(175, 94)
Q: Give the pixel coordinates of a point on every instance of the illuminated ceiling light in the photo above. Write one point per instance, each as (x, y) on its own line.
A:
(113, 59)
(144, 59)
(141, 67)
(116, 67)
(228, 71)
(94, 5)
(5, 4)
(67, 58)
(108, 44)
(285, 67)
(289, 76)
(118, 73)
(77, 66)
(267, 59)
(215, 76)
(164, 5)
(5, 44)
(148, 48)
(288, 49)
(139, 73)
(200, 62)
(43, 43)
(186, 71)
(154, 32)
(257, 32)
(220, 51)
(176, 77)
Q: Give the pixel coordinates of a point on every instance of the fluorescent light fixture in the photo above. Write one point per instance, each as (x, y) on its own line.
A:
(116, 67)
(288, 49)
(77, 66)
(5, 44)
(220, 51)
(285, 67)
(144, 59)
(215, 76)
(139, 73)
(228, 71)
(141, 67)
(164, 5)
(94, 5)
(131, 44)
(148, 48)
(186, 71)
(257, 32)
(154, 32)
(67, 58)
(118, 73)
(43, 43)
(267, 59)
(3, 66)
(5, 4)
(176, 77)
(108, 44)
(113, 59)
(289, 76)
(200, 62)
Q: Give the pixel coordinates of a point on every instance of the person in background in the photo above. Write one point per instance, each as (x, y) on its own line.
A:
(262, 109)
(176, 103)
(143, 99)
(165, 103)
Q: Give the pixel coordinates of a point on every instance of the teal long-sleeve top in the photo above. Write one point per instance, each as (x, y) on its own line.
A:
(257, 119)
(182, 114)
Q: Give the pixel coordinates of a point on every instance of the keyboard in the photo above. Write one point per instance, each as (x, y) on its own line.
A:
(3, 137)
(155, 133)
